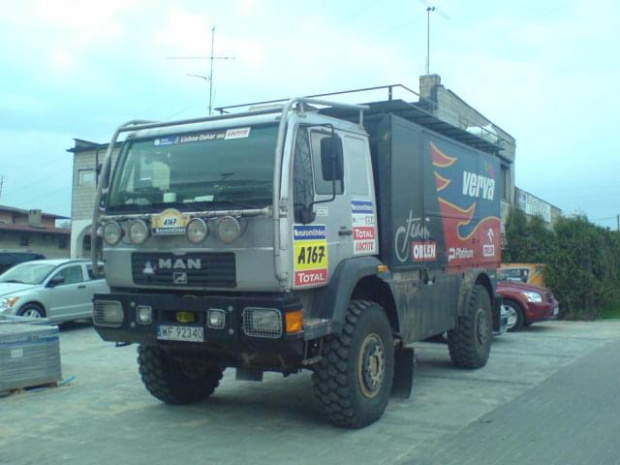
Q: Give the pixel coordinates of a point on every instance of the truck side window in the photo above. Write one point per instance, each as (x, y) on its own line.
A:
(323, 166)
(303, 193)
(358, 165)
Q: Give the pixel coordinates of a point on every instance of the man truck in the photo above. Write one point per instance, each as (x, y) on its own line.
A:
(305, 235)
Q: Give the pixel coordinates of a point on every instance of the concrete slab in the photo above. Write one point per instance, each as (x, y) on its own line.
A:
(106, 416)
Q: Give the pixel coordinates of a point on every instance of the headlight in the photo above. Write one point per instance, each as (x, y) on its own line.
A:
(138, 232)
(108, 313)
(228, 229)
(112, 233)
(533, 297)
(8, 302)
(197, 231)
(262, 322)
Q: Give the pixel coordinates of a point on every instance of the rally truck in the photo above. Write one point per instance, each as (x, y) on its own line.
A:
(308, 234)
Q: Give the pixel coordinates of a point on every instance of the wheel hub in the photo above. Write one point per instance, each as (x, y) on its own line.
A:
(32, 313)
(371, 365)
(512, 316)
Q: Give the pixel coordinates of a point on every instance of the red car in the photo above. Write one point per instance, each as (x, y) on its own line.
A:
(526, 303)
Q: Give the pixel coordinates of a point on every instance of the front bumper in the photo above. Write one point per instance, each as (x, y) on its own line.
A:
(541, 311)
(231, 342)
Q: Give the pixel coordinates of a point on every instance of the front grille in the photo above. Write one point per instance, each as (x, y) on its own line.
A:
(192, 269)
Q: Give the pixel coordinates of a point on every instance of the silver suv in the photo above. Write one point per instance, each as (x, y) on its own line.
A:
(61, 290)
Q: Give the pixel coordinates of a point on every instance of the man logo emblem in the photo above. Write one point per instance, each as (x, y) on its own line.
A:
(179, 277)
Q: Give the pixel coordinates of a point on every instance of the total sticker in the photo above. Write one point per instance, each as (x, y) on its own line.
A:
(311, 258)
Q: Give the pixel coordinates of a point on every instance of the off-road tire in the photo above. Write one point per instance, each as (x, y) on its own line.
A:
(470, 341)
(520, 316)
(31, 311)
(353, 380)
(175, 382)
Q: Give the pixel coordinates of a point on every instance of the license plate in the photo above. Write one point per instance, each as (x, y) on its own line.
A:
(180, 333)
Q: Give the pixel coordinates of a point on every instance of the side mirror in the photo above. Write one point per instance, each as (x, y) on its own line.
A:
(331, 159)
(56, 280)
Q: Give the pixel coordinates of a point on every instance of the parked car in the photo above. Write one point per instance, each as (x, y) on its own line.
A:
(529, 273)
(60, 290)
(526, 303)
(10, 258)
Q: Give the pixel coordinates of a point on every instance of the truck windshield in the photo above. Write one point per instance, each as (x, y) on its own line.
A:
(207, 170)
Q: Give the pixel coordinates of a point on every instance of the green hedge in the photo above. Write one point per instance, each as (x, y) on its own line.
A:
(583, 260)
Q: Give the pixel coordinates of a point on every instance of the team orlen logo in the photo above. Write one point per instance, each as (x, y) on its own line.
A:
(423, 251)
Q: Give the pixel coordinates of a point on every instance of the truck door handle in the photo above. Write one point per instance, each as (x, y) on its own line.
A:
(345, 232)
(82, 286)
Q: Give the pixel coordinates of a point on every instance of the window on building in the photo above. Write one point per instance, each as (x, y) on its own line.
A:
(86, 177)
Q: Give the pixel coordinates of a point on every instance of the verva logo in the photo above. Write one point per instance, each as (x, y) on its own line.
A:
(476, 185)
(424, 251)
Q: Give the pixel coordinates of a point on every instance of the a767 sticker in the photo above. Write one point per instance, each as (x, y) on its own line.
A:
(310, 255)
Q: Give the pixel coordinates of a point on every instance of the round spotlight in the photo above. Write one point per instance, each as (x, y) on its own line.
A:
(138, 232)
(112, 233)
(197, 230)
(228, 229)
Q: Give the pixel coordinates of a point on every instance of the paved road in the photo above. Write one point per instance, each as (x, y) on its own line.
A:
(530, 405)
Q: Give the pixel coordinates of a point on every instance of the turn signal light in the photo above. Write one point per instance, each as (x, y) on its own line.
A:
(294, 321)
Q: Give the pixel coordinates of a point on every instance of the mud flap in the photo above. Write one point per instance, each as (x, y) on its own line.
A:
(404, 362)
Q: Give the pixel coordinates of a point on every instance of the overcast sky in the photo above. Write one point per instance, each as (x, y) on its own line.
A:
(547, 72)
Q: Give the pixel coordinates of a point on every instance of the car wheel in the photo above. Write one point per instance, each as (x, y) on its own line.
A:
(469, 343)
(353, 380)
(31, 311)
(516, 318)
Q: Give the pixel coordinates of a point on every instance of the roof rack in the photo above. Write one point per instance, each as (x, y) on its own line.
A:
(419, 112)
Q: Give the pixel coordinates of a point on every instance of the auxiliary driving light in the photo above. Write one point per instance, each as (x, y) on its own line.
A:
(197, 230)
(228, 229)
(138, 232)
(112, 233)
(144, 314)
(262, 322)
(216, 318)
(108, 313)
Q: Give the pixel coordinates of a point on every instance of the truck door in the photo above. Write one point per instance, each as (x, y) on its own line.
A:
(361, 190)
(323, 232)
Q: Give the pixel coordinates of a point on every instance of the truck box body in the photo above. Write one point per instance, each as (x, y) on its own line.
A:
(438, 202)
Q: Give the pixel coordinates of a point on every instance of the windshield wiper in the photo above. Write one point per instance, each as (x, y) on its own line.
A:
(13, 281)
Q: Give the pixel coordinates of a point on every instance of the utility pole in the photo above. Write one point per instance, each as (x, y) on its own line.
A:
(1, 184)
(428, 38)
(430, 9)
(210, 76)
(617, 216)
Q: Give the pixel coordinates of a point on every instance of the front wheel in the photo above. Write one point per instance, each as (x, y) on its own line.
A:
(31, 311)
(353, 380)
(516, 319)
(174, 381)
(470, 341)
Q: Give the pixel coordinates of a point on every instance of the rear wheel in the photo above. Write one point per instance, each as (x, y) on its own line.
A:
(470, 341)
(353, 380)
(31, 311)
(173, 381)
